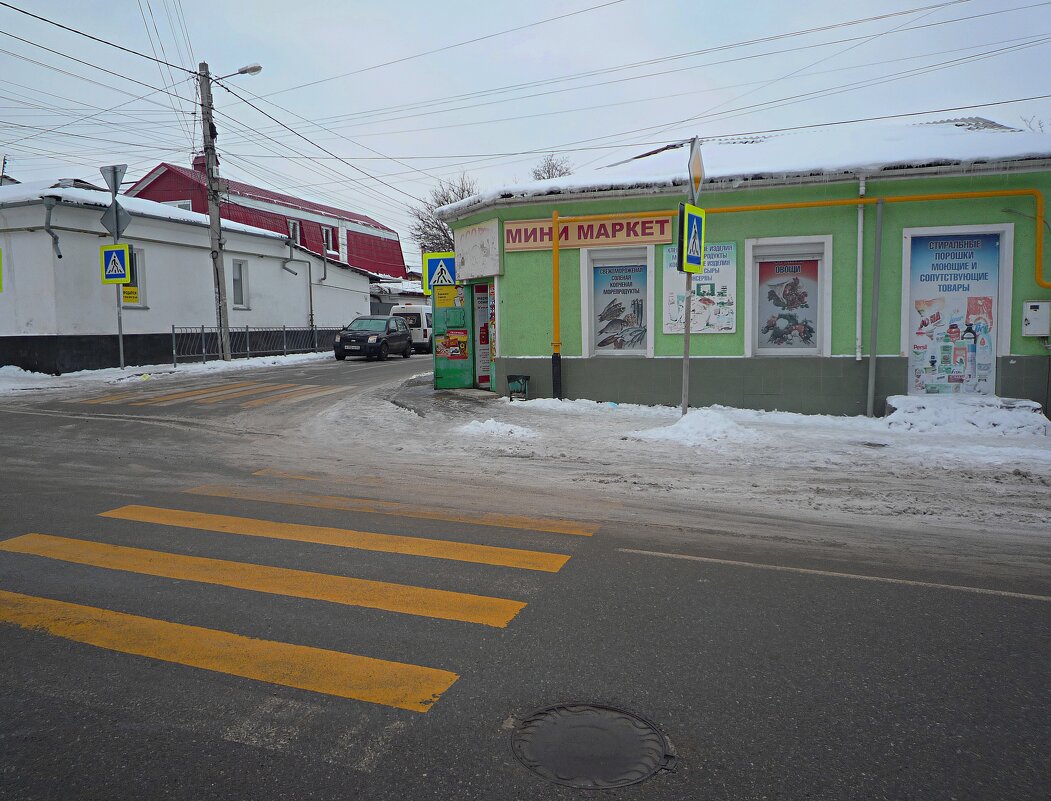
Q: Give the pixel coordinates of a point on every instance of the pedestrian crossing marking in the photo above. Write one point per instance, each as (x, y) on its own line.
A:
(194, 393)
(369, 506)
(269, 471)
(295, 394)
(108, 398)
(401, 598)
(345, 538)
(244, 392)
(362, 678)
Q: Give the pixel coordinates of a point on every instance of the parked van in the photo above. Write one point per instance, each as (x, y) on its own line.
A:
(418, 319)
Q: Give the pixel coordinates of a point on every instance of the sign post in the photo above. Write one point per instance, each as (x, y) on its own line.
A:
(691, 260)
(115, 219)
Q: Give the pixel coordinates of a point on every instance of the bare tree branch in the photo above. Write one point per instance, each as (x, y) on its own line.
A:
(552, 167)
(427, 231)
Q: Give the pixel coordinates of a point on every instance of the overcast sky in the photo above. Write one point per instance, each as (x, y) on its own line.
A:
(595, 86)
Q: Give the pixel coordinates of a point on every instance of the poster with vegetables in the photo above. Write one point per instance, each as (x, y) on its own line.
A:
(788, 311)
(954, 282)
(619, 306)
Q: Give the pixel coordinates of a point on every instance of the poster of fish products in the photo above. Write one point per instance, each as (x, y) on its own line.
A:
(953, 289)
(619, 302)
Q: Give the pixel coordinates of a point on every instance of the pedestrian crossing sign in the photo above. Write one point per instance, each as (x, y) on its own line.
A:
(438, 269)
(115, 261)
(692, 245)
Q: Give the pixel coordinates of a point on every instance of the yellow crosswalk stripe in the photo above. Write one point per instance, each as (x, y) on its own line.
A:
(297, 394)
(362, 678)
(345, 538)
(252, 391)
(401, 598)
(370, 506)
(194, 393)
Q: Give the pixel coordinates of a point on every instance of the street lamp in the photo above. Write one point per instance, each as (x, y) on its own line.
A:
(211, 173)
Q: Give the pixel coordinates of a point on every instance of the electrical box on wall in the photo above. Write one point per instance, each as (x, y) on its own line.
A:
(1036, 318)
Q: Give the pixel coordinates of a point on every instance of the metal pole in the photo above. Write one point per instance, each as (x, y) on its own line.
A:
(870, 401)
(214, 226)
(204, 347)
(175, 357)
(248, 342)
(686, 344)
(556, 310)
(284, 341)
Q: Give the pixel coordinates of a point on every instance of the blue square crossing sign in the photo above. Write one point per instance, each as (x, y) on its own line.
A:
(438, 269)
(691, 244)
(115, 264)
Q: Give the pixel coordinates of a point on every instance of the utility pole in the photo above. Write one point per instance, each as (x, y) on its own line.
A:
(214, 226)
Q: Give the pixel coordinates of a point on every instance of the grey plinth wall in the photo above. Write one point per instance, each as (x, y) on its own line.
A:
(835, 385)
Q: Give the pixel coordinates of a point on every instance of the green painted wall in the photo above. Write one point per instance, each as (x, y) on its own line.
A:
(525, 287)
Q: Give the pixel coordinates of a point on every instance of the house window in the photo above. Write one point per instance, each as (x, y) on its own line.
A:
(293, 231)
(790, 312)
(133, 293)
(185, 205)
(240, 284)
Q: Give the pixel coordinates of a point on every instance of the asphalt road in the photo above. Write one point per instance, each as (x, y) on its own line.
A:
(159, 555)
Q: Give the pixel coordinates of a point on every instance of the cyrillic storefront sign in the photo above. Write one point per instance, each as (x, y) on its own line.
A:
(536, 234)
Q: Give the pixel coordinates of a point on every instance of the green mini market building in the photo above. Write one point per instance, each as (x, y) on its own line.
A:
(940, 223)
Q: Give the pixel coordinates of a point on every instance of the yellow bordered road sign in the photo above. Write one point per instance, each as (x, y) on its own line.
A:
(116, 264)
(691, 245)
(438, 268)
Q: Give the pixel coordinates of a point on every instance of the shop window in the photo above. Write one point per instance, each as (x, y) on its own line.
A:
(617, 286)
(956, 307)
(133, 293)
(240, 284)
(789, 303)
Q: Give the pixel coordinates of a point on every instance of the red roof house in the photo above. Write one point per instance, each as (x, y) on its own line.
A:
(343, 236)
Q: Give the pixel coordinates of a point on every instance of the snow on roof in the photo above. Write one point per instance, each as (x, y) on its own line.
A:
(397, 288)
(814, 152)
(238, 188)
(35, 191)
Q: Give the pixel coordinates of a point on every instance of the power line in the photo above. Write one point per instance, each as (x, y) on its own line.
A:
(89, 36)
(447, 47)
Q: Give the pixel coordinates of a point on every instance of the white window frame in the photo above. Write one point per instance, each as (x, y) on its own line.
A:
(243, 264)
(629, 255)
(138, 256)
(780, 248)
(1005, 280)
(185, 205)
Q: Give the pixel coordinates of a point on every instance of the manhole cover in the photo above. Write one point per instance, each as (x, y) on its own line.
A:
(589, 746)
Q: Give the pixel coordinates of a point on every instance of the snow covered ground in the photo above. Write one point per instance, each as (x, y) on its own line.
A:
(961, 463)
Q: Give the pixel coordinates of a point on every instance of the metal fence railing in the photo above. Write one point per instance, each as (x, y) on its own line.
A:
(201, 343)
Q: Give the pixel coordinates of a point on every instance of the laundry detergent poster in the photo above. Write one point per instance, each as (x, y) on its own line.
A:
(788, 311)
(619, 303)
(952, 329)
(714, 292)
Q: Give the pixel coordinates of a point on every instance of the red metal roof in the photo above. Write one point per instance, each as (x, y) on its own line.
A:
(258, 193)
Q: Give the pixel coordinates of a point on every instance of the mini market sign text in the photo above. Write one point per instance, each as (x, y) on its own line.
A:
(536, 234)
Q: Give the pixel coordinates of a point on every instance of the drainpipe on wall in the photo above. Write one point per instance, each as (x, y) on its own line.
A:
(310, 281)
(49, 205)
(870, 400)
(860, 270)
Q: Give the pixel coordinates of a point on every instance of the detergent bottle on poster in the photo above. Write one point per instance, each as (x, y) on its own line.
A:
(945, 348)
(984, 361)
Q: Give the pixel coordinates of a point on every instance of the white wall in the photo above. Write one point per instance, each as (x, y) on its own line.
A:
(45, 295)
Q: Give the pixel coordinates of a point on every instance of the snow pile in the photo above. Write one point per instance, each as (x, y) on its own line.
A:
(14, 379)
(699, 427)
(966, 415)
(590, 407)
(491, 428)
